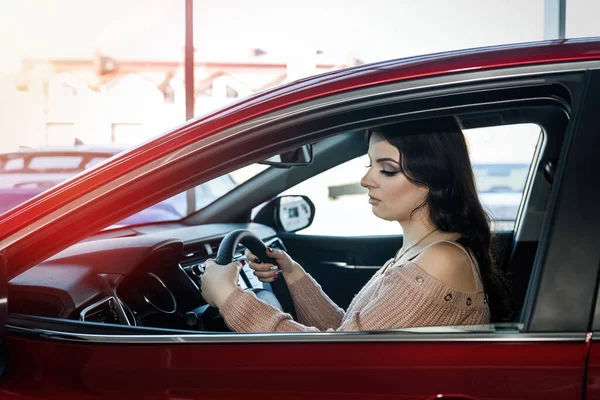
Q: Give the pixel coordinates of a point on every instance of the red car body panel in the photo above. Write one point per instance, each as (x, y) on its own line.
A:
(296, 92)
(488, 370)
(593, 372)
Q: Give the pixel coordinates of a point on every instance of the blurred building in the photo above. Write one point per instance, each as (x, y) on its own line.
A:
(106, 100)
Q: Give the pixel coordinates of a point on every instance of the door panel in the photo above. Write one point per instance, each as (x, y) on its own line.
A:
(322, 257)
(343, 265)
(519, 266)
(394, 370)
(593, 371)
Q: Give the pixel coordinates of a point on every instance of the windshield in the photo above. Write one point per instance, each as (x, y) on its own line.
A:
(193, 200)
(23, 177)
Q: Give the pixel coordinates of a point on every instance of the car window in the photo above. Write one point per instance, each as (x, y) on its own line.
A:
(178, 206)
(55, 162)
(41, 172)
(93, 161)
(501, 158)
(212, 190)
(14, 164)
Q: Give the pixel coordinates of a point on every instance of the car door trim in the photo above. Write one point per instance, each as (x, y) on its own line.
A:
(310, 337)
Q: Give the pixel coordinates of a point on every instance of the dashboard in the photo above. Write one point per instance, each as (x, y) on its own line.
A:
(144, 276)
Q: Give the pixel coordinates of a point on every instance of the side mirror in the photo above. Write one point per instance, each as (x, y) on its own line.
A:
(287, 213)
(302, 155)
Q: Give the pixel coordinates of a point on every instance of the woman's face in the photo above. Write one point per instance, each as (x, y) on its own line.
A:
(391, 195)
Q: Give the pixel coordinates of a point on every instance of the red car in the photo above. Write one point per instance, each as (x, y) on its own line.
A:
(118, 313)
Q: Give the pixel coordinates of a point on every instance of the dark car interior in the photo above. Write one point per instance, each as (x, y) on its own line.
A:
(148, 276)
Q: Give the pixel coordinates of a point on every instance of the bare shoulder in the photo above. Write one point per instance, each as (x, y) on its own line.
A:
(448, 264)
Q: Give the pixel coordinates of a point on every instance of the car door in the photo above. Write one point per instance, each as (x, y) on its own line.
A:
(540, 356)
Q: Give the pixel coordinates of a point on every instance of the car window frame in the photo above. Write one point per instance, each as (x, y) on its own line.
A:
(300, 140)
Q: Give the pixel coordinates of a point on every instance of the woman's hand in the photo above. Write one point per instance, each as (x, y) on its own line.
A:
(266, 272)
(219, 281)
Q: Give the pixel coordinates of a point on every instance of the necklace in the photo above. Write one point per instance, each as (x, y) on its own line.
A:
(399, 256)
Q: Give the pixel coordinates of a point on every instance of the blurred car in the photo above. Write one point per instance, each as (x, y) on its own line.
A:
(29, 172)
(500, 187)
(44, 167)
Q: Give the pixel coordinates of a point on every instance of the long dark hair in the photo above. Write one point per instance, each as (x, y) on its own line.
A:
(434, 154)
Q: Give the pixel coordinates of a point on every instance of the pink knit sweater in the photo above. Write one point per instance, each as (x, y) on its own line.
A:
(399, 295)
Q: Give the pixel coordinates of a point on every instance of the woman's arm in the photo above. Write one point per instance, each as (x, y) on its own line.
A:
(244, 312)
(395, 304)
(313, 306)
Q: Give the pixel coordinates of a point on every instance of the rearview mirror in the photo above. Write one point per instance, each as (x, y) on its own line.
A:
(302, 155)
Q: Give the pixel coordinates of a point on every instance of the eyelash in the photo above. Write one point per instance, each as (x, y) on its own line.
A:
(384, 172)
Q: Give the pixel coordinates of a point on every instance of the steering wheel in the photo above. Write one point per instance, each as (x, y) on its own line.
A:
(280, 296)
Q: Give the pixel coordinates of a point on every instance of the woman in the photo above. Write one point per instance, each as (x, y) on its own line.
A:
(420, 176)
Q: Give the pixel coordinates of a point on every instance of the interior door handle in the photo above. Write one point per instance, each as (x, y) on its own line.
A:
(341, 264)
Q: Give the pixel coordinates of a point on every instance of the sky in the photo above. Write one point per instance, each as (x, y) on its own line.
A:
(154, 29)
(227, 29)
